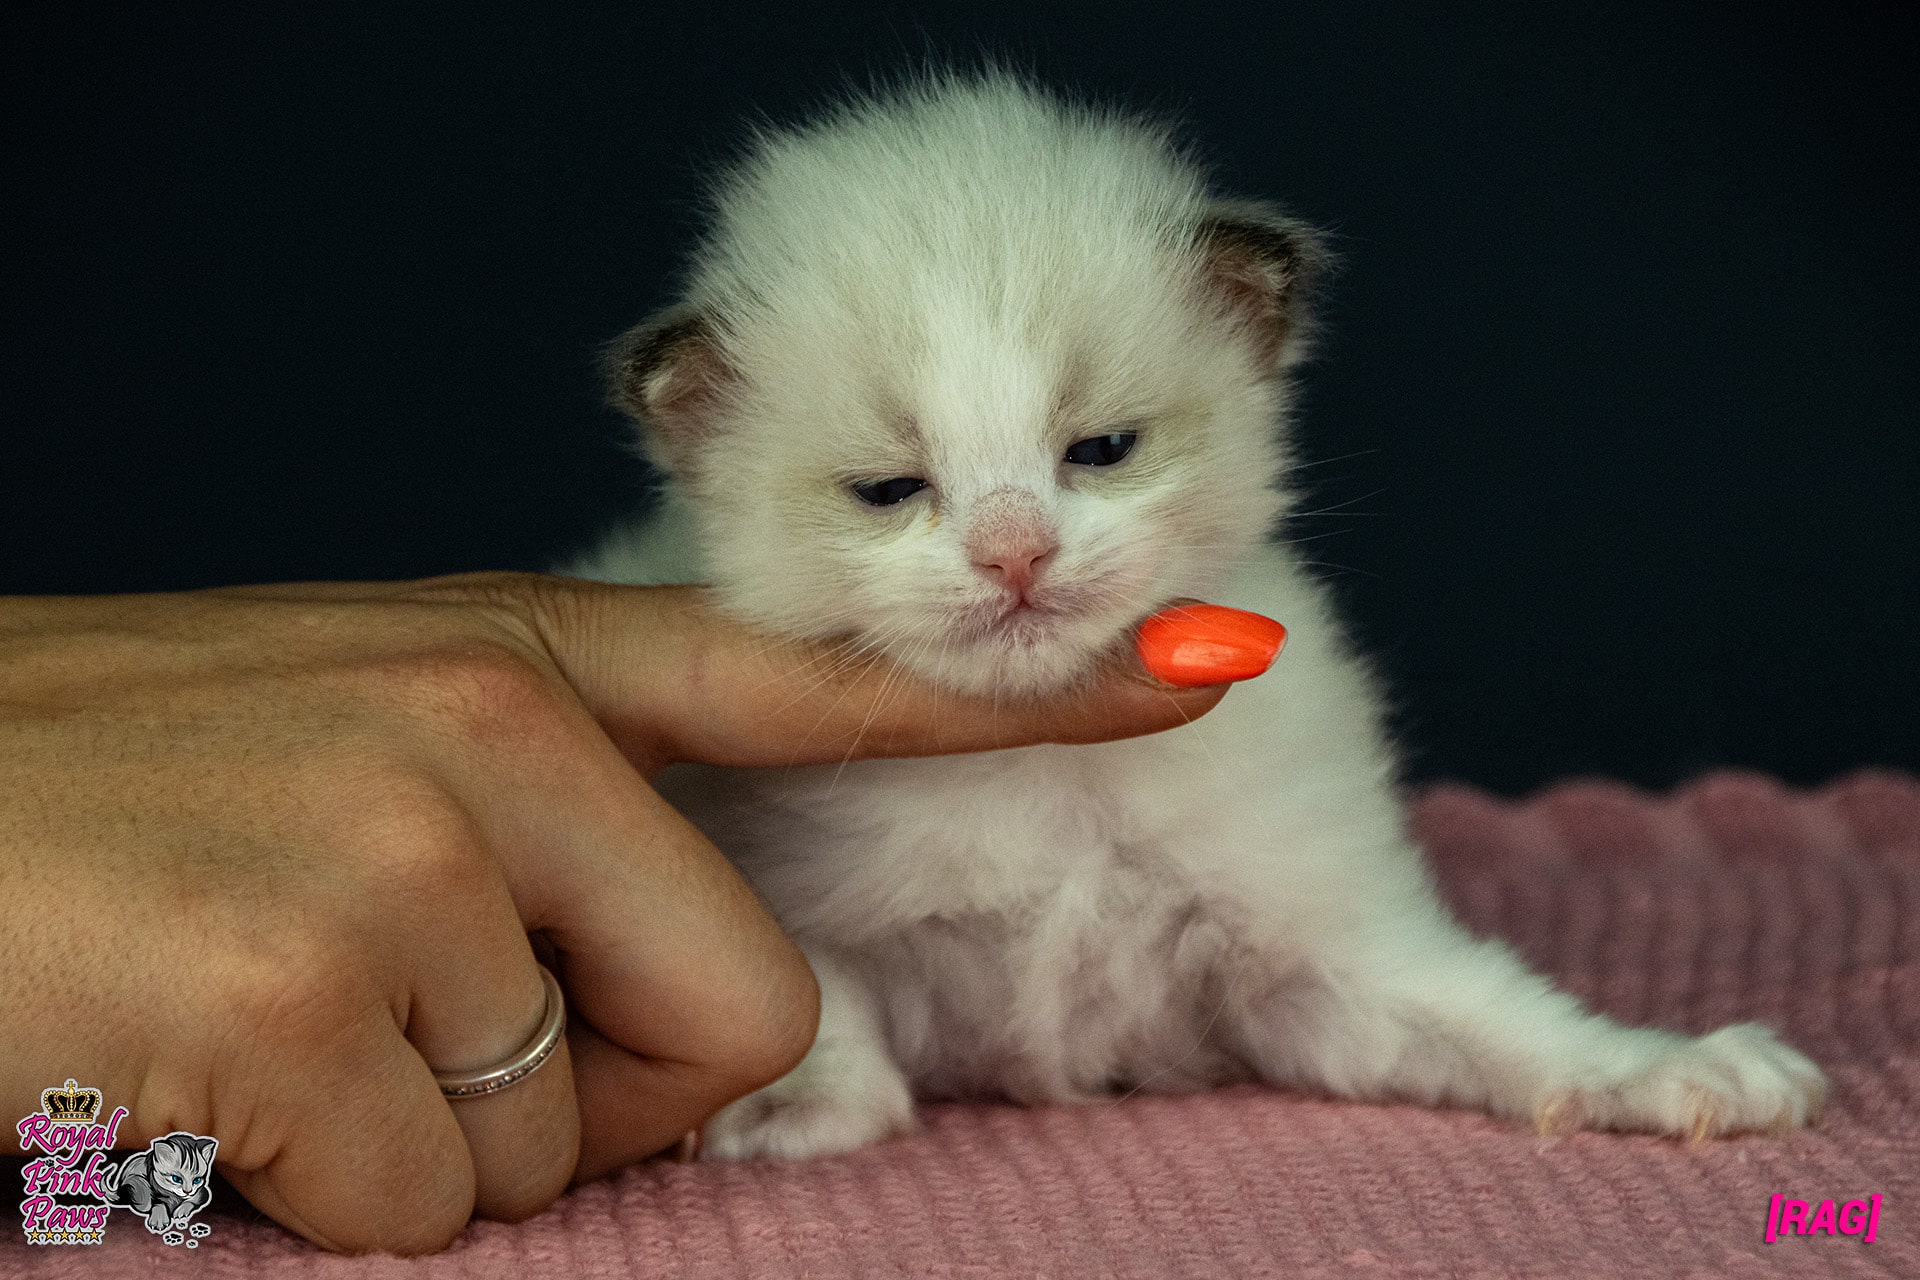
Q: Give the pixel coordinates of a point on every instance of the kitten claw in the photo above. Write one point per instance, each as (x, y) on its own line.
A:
(1559, 1115)
(1706, 1116)
(1740, 1079)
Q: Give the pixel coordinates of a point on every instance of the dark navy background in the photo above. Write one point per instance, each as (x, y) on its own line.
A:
(1618, 398)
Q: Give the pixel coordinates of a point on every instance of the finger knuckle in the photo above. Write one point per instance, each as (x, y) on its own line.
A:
(424, 1188)
(416, 1189)
(764, 1028)
(429, 1229)
(299, 993)
(417, 845)
(538, 1176)
(476, 689)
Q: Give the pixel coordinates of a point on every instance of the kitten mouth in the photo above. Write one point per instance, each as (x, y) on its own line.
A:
(1025, 608)
(1019, 620)
(1057, 613)
(1025, 646)
(1025, 620)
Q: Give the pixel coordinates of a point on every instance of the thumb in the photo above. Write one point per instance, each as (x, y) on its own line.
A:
(672, 678)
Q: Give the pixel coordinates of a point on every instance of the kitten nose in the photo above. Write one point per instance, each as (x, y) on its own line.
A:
(1010, 538)
(1015, 567)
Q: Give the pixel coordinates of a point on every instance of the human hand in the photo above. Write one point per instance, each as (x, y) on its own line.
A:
(273, 855)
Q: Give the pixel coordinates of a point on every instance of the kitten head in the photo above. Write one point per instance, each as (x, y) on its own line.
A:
(182, 1163)
(975, 378)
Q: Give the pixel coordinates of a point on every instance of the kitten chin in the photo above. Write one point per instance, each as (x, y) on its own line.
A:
(1017, 657)
(961, 348)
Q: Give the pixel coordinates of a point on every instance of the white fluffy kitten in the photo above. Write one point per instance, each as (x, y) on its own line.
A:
(896, 404)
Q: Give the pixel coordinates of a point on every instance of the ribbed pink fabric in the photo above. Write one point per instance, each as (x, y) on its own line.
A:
(1734, 898)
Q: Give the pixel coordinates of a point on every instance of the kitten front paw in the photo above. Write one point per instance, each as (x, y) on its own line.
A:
(1738, 1079)
(792, 1119)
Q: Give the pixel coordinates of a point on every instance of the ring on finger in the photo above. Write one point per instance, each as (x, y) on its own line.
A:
(553, 1026)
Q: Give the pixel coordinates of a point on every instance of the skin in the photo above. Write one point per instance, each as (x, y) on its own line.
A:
(271, 855)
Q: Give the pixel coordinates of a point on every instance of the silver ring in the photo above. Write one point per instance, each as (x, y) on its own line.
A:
(553, 1026)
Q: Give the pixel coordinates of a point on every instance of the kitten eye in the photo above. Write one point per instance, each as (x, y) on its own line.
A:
(1101, 451)
(884, 493)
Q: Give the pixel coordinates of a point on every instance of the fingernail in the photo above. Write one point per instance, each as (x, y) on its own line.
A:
(1191, 645)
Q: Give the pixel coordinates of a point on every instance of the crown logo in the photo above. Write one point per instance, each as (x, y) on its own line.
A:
(71, 1103)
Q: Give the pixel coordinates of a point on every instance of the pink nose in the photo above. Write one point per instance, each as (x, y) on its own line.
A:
(1009, 537)
(1014, 567)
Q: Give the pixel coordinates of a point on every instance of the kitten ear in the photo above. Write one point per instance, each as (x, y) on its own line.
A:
(1258, 267)
(670, 375)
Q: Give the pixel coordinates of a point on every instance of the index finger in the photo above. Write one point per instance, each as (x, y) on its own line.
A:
(670, 677)
(684, 993)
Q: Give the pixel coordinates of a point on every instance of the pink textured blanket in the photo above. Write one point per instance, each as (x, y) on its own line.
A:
(1732, 899)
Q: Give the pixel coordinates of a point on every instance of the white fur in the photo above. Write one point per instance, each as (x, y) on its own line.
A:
(956, 282)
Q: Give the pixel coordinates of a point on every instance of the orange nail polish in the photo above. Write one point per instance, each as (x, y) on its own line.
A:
(1191, 645)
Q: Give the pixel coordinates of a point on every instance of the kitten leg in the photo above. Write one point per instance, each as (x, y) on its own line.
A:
(184, 1211)
(845, 1093)
(1422, 1011)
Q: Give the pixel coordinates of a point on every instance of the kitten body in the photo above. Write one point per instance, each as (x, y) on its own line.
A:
(963, 284)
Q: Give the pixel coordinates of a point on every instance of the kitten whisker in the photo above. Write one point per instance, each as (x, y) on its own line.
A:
(840, 663)
(835, 705)
(1292, 467)
(1345, 568)
(892, 678)
(1338, 506)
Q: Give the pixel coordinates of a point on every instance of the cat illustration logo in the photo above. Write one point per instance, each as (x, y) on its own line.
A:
(166, 1185)
(71, 1189)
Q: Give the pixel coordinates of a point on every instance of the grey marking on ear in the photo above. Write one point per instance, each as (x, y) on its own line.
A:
(1259, 267)
(669, 374)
